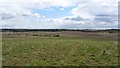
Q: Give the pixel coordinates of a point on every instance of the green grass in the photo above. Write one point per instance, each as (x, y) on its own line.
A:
(59, 51)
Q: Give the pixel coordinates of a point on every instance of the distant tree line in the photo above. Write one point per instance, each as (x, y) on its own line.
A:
(55, 30)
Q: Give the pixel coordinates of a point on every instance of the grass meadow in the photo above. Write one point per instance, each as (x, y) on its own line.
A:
(58, 51)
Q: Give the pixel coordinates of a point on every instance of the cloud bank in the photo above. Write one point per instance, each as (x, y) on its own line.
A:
(83, 14)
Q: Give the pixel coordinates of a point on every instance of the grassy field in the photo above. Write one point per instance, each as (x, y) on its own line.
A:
(58, 51)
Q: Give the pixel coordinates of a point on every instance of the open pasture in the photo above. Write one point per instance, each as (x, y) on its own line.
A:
(64, 48)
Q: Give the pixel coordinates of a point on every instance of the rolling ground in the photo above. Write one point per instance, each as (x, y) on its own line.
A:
(62, 48)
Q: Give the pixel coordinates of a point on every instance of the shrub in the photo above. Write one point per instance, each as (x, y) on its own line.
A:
(56, 35)
(35, 35)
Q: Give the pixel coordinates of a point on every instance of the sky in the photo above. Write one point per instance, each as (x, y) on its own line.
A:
(59, 14)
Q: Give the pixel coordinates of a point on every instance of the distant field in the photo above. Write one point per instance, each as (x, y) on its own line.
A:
(66, 48)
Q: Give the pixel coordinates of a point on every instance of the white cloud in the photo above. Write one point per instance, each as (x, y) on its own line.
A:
(39, 3)
(18, 13)
(25, 7)
(96, 7)
(61, 8)
(100, 12)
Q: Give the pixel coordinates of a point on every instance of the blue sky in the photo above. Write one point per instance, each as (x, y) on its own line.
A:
(54, 12)
(59, 14)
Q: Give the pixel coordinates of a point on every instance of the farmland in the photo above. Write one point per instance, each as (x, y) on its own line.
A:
(62, 48)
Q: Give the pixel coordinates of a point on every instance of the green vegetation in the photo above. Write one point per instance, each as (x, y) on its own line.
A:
(58, 51)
